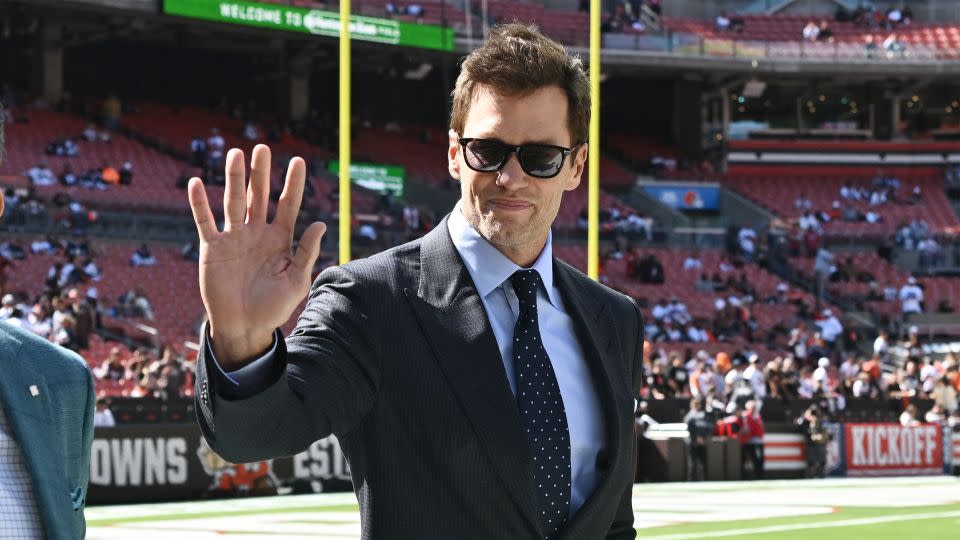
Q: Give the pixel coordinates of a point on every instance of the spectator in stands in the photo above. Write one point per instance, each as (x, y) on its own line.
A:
(803, 203)
(103, 416)
(62, 147)
(693, 262)
(909, 417)
(811, 31)
(126, 174)
(737, 387)
(190, 251)
(89, 133)
(134, 303)
(894, 46)
(112, 367)
(866, 387)
(41, 175)
(148, 384)
(699, 429)
(747, 240)
(171, 375)
(912, 345)
(90, 270)
(198, 152)
(215, 148)
(722, 22)
(881, 345)
(251, 132)
(809, 222)
(823, 268)
(825, 33)
(649, 269)
(67, 176)
(911, 297)
(830, 328)
(109, 174)
(83, 315)
(944, 394)
(677, 311)
(755, 376)
(930, 255)
(678, 377)
(935, 415)
(142, 257)
(894, 17)
(869, 46)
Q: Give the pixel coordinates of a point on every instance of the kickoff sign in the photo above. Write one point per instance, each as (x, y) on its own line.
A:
(892, 449)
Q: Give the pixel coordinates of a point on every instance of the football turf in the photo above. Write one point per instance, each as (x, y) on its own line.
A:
(869, 509)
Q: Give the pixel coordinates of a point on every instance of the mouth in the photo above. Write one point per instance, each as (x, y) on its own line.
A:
(508, 205)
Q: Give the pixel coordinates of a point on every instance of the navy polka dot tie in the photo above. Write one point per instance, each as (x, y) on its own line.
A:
(541, 409)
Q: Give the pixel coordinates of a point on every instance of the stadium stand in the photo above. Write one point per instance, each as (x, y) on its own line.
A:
(153, 186)
(779, 194)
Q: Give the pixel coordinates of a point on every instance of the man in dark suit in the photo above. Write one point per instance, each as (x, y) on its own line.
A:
(479, 387)
(46, 431)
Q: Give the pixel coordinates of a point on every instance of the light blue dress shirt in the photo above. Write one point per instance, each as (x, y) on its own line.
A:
(490, 271)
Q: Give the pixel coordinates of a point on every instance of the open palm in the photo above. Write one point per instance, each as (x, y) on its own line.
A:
(250, 280)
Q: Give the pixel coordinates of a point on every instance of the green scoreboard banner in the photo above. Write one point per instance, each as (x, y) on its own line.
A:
(313, 21)
(374, 176)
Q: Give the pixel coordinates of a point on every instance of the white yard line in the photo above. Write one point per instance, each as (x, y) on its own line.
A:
(805, 526)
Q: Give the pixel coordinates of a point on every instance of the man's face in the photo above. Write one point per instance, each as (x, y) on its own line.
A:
(515, 214)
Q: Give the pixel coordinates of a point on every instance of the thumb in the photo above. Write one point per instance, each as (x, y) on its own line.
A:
(309, 248)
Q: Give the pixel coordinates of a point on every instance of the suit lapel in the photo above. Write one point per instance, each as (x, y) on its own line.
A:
(31, 421)
(455, 323)
(594, 327)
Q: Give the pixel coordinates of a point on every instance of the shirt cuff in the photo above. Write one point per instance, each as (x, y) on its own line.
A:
(256, 374)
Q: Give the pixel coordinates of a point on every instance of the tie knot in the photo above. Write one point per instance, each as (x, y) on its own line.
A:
(525, 284)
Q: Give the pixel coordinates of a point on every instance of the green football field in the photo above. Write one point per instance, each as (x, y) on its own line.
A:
(871, 509)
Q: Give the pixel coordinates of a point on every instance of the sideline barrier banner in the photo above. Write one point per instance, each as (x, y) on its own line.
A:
(890, 449)
(168, 462)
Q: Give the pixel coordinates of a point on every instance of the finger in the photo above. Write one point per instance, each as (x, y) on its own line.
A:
(289, 205)
(202, 215)
(259, 191)
(234, 196)
(309, 248)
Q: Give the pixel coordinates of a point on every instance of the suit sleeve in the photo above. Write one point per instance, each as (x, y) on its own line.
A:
(89, 408)
(623, 522)
(322, 379)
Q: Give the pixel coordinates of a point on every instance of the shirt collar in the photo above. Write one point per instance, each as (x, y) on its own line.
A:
(487, 266)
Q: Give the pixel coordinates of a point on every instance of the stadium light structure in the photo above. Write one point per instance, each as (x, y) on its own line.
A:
(593, 155)
(344, 131)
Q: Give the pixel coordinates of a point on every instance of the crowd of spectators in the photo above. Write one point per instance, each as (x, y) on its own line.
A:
(868, 15)
(69, 310)
(144, 374)
(814, 370)
(625, 16)
(626, 223)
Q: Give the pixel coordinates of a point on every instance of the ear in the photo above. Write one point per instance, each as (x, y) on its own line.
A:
(1, 202)
(454, 147)
(579, 159)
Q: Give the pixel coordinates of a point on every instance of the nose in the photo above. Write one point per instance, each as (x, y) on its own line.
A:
(512, 176)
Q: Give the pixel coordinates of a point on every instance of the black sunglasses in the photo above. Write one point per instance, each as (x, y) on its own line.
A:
(537, 160)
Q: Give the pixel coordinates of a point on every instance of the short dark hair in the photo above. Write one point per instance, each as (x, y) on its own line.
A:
(517, 60)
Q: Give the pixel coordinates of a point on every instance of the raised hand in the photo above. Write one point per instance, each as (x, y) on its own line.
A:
(250, 281)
